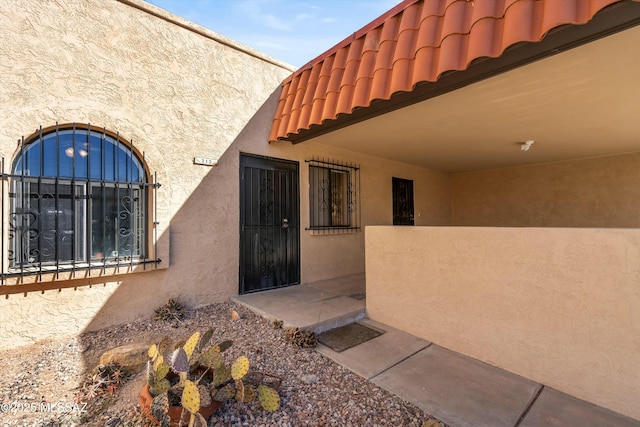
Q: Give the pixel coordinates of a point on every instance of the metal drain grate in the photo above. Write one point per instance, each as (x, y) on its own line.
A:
(348, 336)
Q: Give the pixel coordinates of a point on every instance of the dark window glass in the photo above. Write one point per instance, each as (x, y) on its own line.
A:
(329, 197)
(77, 196)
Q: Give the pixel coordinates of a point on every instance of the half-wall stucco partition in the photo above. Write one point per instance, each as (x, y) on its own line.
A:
(560, 306)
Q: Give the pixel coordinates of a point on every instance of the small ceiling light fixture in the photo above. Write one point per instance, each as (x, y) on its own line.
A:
(526, 145)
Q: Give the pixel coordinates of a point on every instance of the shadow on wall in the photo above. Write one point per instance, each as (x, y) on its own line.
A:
(203, 262)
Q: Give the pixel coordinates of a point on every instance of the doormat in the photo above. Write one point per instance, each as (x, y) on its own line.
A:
(347, 336)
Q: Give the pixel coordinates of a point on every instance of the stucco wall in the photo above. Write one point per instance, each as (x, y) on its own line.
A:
(177, 93)
(560, 306)
(597, 192)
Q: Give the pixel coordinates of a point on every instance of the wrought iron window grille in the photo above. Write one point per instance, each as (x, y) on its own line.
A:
(76, 198)
(334, 196)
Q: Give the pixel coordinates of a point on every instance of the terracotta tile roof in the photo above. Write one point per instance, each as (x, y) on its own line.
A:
(416, 41)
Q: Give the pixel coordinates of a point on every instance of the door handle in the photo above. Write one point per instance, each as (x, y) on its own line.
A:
(285, 223)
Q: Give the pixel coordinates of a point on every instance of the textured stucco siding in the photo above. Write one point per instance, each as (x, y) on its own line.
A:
(596, 192)
(177, 94)
(560, 306)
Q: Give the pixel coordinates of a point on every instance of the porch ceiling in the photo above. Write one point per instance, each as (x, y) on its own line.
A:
(581, 103)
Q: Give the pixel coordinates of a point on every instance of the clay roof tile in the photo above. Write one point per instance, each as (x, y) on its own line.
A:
(415, 42)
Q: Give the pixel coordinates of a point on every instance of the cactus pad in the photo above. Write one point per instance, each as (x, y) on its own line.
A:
(223, 345)
(199, 420)
(204, 340)
(153, 352)
(249, 395)
(269, 398)
(164, 346)
(191, 397)
(160, 387)
(239, 390)
(205, 395)
(211, 358)
(180, 361)
(191, 343)
(225, 393)
(161, 371)
(240, 367)
(158, 360)
(150, 373)
(159, 406)
(221, 374)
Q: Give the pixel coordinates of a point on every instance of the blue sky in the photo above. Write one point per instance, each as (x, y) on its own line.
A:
(293, 31)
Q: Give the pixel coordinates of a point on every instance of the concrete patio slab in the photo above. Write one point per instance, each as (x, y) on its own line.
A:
(285, 297)
(459, 390)
(378, 354)
(346, 285)
(553, 408)
(309, 307)
(324, 315)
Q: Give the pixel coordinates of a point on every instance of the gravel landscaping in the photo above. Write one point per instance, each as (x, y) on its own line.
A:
(42, 384)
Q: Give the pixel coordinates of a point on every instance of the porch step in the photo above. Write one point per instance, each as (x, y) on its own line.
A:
(336, 322)
(306, 307)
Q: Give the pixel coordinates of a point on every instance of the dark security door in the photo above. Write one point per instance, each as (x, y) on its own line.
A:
(402, 201)
(269, 223)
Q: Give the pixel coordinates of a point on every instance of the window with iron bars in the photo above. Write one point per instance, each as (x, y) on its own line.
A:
(79, 198)
(333, 197)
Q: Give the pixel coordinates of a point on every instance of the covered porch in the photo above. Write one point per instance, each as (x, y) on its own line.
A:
(528, 111)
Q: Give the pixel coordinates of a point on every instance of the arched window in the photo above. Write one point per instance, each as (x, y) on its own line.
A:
(78, 196)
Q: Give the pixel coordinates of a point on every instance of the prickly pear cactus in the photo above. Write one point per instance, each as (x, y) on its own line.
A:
(223, 345)
(225, 393)
(199, 420)
(153, 352)
(204, 340)
(205, 395)
(269, 398)
(159, 387)
(221, 375)
(239, 391)
(158, 360)
(211, 358)
(164, 346)
(180, 360)
(240, 367)
(248, 396)
(159, 406)
(191, 397)
(191, 344)
(161, 371)
(151, 375)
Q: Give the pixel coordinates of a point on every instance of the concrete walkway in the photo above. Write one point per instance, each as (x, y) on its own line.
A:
(456, 389)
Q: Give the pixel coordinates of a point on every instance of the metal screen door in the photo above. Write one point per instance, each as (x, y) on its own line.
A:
(269, 223)
(402, 201)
